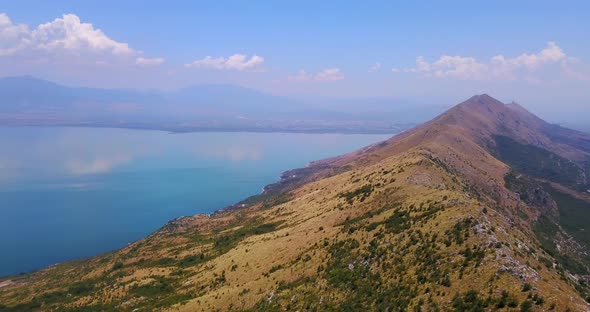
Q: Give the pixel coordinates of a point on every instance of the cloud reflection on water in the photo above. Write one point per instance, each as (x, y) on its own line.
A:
(37, 152)
(97, 165)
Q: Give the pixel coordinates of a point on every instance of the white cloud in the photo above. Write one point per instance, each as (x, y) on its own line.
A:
(11, 36)
(65, 40)
(239, 62)
(67, 33)
(375, 68)
(302, 75)
(551, 54)
(498, 67)
(146, 62)
(330, 74)
(70, 33)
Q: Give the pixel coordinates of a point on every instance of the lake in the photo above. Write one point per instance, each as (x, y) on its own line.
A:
(67, 193)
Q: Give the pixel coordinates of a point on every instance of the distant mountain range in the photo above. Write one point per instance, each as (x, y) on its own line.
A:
(483, 208)
(31, 101)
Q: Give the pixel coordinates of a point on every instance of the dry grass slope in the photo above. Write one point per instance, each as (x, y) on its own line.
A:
(423, 222)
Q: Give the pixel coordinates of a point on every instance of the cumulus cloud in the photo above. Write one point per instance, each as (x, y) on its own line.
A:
(11, 36)
(146, 62)
(498, 67)
(330, 74)
(65, 38)
(67, 33)
(375, 68)
(239, 62)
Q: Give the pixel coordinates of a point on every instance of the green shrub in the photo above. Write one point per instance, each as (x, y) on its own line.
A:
(526, 287)
(361, 193)
(526, 306)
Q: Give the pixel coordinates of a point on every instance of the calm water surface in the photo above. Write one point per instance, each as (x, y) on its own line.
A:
(67, 193)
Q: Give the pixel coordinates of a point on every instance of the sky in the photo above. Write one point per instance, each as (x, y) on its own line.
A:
(534, 52)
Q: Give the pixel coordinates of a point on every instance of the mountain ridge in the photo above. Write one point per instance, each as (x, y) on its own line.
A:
(471, 211)
(210, 107)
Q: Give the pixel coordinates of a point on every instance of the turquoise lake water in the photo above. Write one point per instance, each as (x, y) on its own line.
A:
(67, 193)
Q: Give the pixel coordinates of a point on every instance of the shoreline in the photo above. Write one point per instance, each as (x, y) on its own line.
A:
(286, 181)
(175, 130)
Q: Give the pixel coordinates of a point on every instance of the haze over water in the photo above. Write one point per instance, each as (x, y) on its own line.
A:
(67, 193)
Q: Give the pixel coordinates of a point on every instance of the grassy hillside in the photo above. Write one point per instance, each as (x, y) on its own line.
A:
(427, 221)
(398, 235)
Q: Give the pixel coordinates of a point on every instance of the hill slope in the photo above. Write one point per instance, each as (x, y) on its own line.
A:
(481, 208)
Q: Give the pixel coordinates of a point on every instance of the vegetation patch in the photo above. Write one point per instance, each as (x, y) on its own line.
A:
(573, 214)
(538, 162)
(470, 301)
(529, 191)
(361, 194)
(365, 289)
(460, 232)
(192, 260)
(226, 242)
(398, 222)
(546, 231)
(160, 286)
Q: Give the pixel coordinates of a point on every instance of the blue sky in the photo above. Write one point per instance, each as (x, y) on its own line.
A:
(328, 48)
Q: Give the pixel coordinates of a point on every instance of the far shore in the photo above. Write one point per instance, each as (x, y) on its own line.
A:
(192, 129)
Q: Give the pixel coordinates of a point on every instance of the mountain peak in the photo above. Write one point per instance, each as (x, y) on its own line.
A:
(486, 115)
(518, 108)
(476, 112)
(482, 100)
(423, 218)
(481, 119)
(481, 97)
